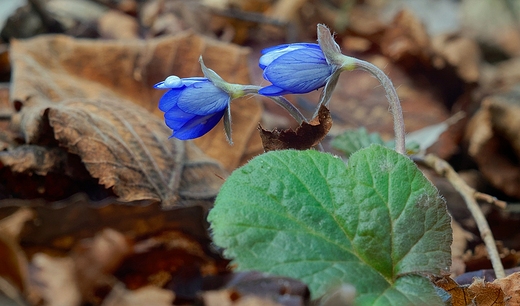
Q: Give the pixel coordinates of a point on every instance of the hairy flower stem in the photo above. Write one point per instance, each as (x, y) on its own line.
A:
(290, 108)
(393, 99)
(281, 101)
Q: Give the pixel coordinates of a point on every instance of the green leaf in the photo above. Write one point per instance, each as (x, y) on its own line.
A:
(374, 223)
(353, 140)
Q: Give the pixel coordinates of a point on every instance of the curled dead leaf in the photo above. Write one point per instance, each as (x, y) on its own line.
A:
(56, 280)
(13, 266)
(460, 52)
(119, 143)
(511, 287)
(55, 68)
(95, 259)
(306, 136)
(88, 96)
(494, 140)
(406, 40)
(120, 296)
(478, 293)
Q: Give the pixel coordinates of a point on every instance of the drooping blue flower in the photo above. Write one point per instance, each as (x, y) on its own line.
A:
(294, 68)
(192, 106)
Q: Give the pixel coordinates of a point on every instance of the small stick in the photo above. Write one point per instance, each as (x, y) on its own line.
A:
(470, 195)
(490, 199)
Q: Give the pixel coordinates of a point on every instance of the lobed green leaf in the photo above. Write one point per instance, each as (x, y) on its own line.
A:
(375, 223)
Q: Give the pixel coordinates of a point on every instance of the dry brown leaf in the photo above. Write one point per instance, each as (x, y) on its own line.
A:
(460, 52)
(306, 136)
(458, 248)
(13, 266)
(61, 225)
(487, 294)
(40, 160)
(169, 258)
(116, 25)
(121, 145)
(163, 253)
(492, 23)
(460, 296)
(52, 69)
(72, 279)
(97, 258)
(494, 140)
(56, 280)
(405, 40)
(479, 258)
(478, 293)
(119, 296)
(511, 287)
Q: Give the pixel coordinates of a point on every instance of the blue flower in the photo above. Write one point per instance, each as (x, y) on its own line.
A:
(294, 68)
(192, 106)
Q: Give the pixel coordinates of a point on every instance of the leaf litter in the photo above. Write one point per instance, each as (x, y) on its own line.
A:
(66, 91)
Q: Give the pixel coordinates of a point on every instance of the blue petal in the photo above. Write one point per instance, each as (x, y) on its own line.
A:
(175, 118)
(299, 45)
(272, 90)
(203, 98)
(270, 54)
(198, 126)
(299, 71)
(169, 100)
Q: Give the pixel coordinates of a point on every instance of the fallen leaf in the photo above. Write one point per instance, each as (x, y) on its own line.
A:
(478, 293)
(458, 247)
(96, 259)
(479, 258)
(306, 136)
(487, 294)
(13, 266)
(460, 296)
(40, 160)
(56, 280)
(406, 41)
(61, 225)
(60, 69)
(492, 24)
(169, 259)
(121, 145)
(494, 141)
(511, 287)
(120, 296)
(117, 25)
(460, 52)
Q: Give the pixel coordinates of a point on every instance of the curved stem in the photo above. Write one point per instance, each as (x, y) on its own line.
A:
(280, 100)
(290, 108)
(393, 99)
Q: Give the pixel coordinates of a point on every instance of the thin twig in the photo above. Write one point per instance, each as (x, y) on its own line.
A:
(470, 195)
(490, 199)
